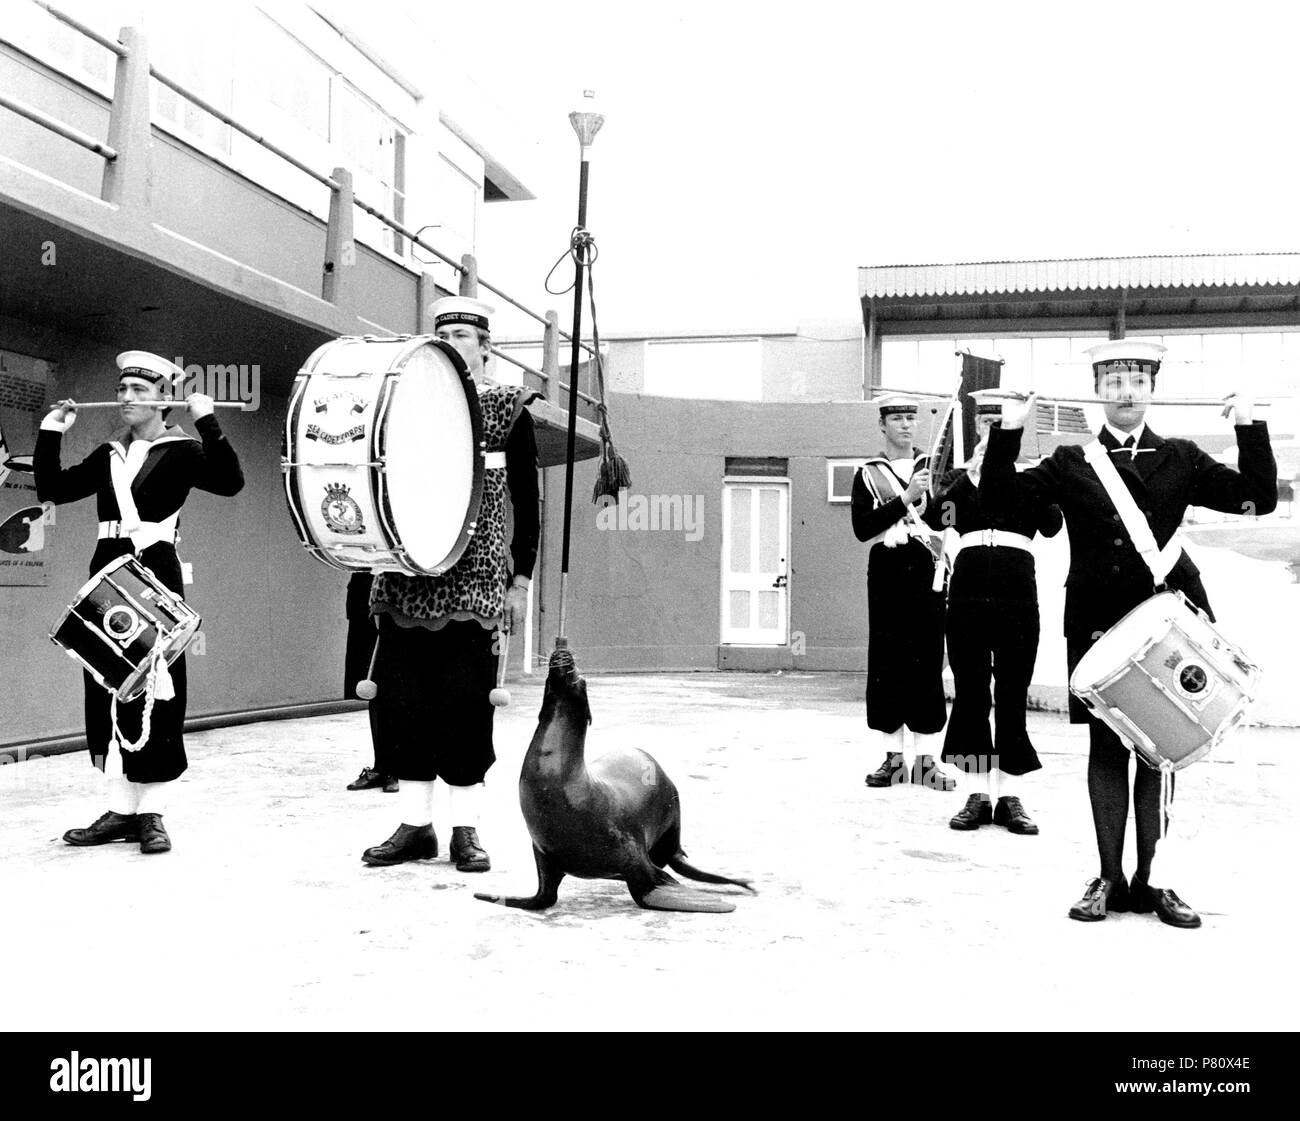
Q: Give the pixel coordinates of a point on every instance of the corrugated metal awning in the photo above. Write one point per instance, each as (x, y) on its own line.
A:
(998, 277)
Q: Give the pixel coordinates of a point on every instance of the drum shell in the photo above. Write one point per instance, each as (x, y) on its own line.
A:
(358, 495)
(1179, 693)
(115, 621)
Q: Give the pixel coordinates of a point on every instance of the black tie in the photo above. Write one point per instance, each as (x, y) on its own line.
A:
(1129, 445)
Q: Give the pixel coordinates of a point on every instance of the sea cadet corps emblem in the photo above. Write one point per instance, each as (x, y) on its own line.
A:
(340, 511)
(354, 407)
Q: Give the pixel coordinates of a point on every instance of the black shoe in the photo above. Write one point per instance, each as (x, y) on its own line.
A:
(1012, 814)
(110, 827)
(410, 842)
(926, 773)
(467, 853)
(153, 837)
(390, 784)
(368, 779)
(1103, 897)
(890, 772)
(1167, 906)
(977, 811)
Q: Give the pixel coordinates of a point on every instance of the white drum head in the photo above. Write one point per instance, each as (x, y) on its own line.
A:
(431, 453)
(1145, 624)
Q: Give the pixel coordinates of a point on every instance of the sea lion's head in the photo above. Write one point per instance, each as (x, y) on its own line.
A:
(566, 690)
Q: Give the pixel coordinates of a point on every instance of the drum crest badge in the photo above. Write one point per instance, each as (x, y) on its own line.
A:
(340, 510)
(352, 405)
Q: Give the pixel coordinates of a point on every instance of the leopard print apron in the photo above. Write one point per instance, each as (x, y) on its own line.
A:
(475, 586)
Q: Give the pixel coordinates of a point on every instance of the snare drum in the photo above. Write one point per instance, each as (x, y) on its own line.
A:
(1166, 681)
(383, 455)
(117, 619)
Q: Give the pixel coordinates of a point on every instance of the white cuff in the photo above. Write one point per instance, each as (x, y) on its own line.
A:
(48, 425)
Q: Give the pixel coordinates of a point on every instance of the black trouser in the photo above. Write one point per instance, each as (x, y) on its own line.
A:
(905, 641)
(992, 628)
(434, 702)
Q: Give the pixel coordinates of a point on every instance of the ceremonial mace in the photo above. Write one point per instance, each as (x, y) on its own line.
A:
(586, 123)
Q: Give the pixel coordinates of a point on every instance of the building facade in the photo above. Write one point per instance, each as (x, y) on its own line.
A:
(231, 191)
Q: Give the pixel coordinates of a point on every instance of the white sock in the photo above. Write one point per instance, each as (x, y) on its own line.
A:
(1005, 785)
(976, 782)
(122, 794)
(415, 801)
(889, 741)
(928, 743)
(464, 804)
(151, 797)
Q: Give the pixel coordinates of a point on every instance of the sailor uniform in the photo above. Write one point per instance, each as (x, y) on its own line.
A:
(1108, 578)
(139, 489)
(992, 628)
(904, 614)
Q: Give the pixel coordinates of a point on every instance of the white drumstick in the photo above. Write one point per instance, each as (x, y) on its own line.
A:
(153, 404)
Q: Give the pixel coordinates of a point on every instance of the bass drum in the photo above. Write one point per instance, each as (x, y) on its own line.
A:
(383, 455)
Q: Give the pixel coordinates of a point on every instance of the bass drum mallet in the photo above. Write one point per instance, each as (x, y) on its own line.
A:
(366, 687)
(500, 696)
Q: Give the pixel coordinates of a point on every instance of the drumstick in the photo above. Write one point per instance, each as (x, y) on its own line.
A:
(500, 696)
(150, 405)
(1021, 395)
(366, 687)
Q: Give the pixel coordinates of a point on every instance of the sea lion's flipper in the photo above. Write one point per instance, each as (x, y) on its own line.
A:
(675, 897)
(678, 864)
(656, 890)
(548, 888)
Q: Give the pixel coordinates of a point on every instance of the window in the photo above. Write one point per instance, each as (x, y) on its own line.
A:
(839, 480)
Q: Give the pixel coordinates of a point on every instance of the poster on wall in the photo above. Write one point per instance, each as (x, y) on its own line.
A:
(23, 520)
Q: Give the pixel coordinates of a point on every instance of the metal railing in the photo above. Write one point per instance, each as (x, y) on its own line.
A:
(126, 157)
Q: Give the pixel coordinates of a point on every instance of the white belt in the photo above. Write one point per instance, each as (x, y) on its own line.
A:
(149, 533)
(494, 459)
(997, 537)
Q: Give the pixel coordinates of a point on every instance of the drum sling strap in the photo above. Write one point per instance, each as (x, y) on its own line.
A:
(1159, 561)
(159, 686)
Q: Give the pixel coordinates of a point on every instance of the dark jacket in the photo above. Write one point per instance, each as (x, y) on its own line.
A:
(1108, 577)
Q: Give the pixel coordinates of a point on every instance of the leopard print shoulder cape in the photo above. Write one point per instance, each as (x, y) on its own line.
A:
(475, 586)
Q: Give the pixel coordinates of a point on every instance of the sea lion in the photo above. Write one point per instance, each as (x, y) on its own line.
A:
(616, 818)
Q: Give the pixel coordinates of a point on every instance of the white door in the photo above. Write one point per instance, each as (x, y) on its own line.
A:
(755, 575)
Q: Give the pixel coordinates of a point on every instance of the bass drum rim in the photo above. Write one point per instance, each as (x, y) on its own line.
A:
(478, 480)
(387, 526)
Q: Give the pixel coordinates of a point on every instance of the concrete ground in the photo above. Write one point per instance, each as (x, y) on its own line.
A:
(870, 914)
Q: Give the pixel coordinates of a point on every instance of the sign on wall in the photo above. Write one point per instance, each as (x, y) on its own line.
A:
(23, 520)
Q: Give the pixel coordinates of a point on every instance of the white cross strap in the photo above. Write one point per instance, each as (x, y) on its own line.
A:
(1159, 561)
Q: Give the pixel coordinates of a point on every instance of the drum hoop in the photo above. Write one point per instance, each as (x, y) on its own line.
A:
(477, 484)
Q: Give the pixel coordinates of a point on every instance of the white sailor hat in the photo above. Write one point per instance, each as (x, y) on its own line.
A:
(1131, 352)
(460, 309)
(149, 367)
(985, 406)
(897, 403)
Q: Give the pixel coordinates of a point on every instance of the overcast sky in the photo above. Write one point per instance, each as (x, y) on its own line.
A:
(754, 155)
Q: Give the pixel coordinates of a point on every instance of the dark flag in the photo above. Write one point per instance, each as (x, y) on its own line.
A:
(976, 374)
